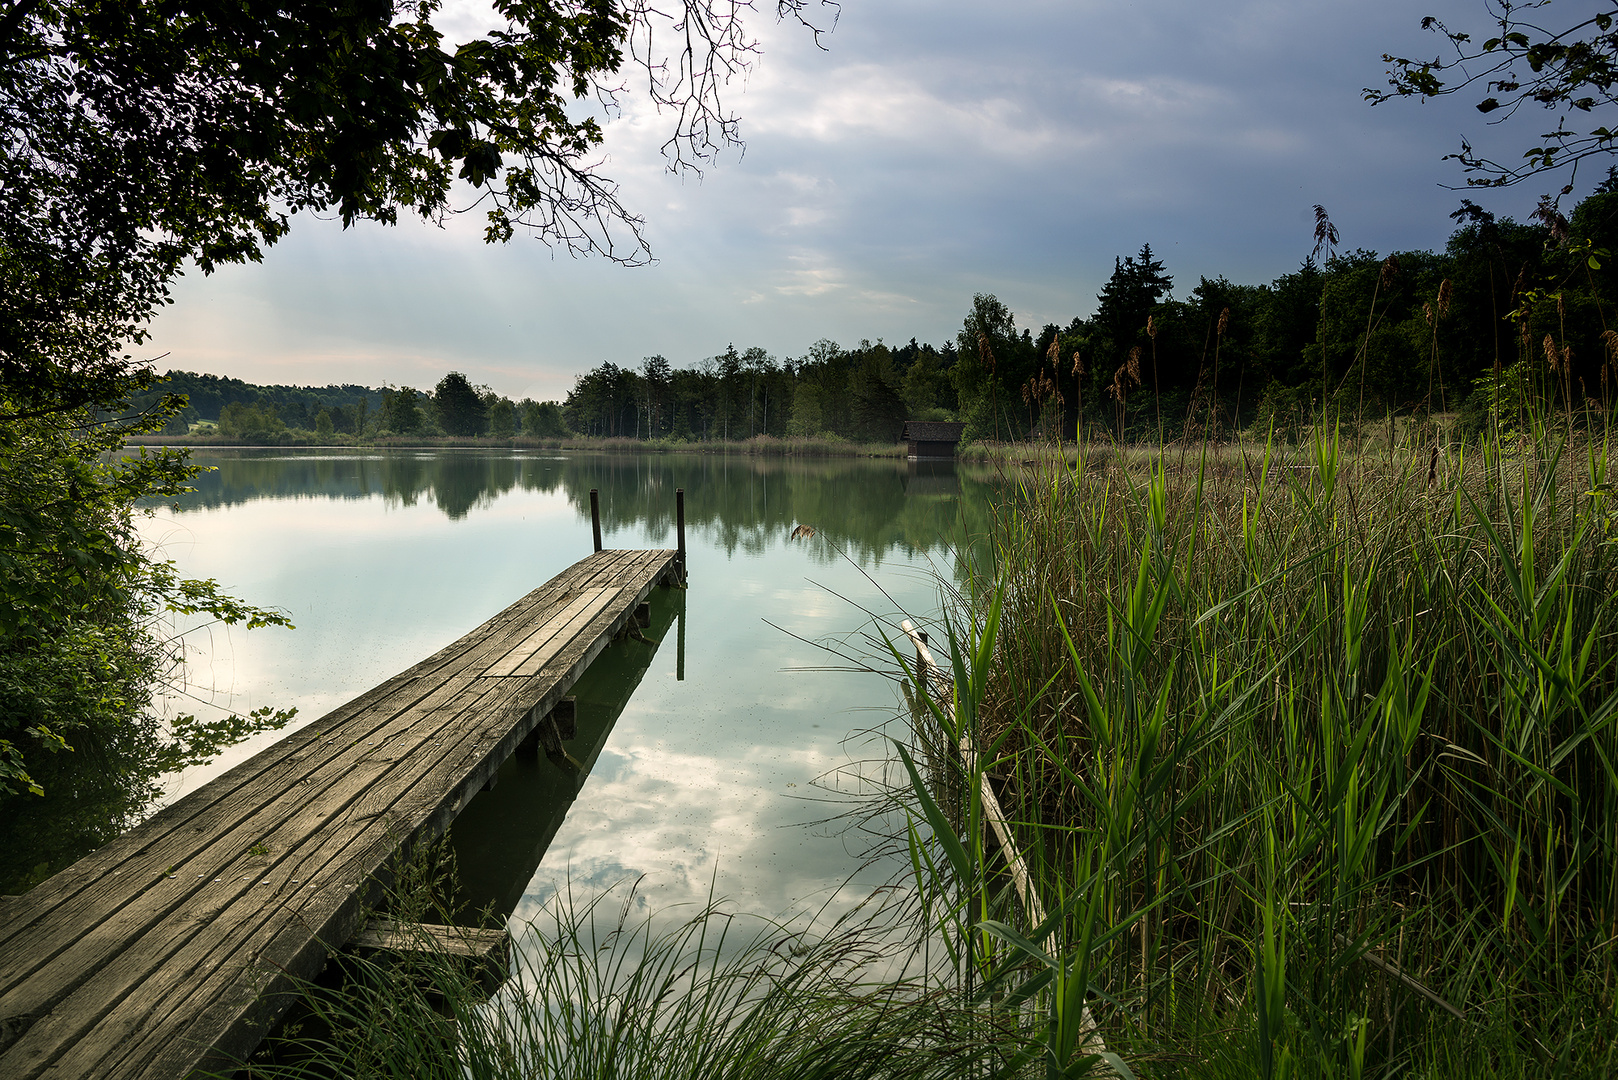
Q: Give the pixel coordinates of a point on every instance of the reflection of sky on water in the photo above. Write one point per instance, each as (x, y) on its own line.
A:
(704, 783)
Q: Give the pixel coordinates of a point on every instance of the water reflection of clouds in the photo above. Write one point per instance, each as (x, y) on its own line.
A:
(688, 823)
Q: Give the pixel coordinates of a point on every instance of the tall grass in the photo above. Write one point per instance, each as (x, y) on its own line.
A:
(1315, 759)
(599, 989)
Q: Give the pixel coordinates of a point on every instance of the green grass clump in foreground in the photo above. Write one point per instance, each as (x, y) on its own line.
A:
(598, 990)
(1316, 759)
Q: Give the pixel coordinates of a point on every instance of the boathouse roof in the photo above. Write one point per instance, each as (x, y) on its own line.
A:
(932, 431)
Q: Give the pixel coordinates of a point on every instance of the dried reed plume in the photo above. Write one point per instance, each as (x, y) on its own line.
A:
(1078, 390)
(1558, 356)
(1390, 271)
(1224, 321)
(1434, 317)
(1134, 364)
(1117, 388)
(1151, 327)
(1609, 341)
(1325, 234)
(1040, 389)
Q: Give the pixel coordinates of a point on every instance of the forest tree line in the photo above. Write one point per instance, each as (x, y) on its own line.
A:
(1507, 313)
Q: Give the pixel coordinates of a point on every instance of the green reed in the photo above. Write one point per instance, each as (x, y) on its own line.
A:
(1325, 742)
(601, 989)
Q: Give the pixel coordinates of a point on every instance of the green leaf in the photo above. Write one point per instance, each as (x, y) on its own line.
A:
(954, 850)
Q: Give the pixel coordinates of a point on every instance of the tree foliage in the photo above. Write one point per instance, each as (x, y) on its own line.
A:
(461, 409)
(140, 135)
(137, 138)
(83, 609)
(1363, 334)
(1540, 57)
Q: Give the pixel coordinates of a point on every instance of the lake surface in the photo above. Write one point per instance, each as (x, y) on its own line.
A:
(708, 763)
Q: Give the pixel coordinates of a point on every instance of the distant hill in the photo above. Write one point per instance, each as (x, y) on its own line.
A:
(297, 406)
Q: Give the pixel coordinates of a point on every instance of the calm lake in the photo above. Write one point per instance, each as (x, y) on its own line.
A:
(708, 754)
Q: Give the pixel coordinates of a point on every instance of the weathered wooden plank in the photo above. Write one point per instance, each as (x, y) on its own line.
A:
(262, 950)
(536, 661)
(75, 891)
(584, 603)
(185, 813)
(466, 942)
(97, 975)
(190, 959)
(230, 830)
(483, 953)
(236, 905)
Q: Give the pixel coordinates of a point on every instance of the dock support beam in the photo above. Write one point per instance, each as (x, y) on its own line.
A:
(595, 517)
(558, 724)
(483, 953)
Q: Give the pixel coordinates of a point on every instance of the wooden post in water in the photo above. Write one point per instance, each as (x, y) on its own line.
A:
(679, 527)
(595, 517)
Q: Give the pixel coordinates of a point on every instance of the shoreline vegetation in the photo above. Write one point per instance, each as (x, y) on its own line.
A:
(762, 445)
(1020, 452)
(1316, 757)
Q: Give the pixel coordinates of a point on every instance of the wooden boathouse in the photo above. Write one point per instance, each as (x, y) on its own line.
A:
(931, 440)
(170, 949)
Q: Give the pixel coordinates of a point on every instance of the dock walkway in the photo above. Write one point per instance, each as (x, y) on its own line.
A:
(163, 952)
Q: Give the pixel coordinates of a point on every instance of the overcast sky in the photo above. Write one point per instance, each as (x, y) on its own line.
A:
(930, 152)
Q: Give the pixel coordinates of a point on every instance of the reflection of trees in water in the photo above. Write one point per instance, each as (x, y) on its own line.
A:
(860, 507)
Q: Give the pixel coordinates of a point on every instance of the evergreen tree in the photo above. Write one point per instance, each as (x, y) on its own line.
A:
(1137, 284)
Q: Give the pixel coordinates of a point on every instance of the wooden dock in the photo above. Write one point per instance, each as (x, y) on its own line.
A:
(169, 949)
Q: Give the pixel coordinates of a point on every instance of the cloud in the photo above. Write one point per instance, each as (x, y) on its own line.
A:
(929, 152)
